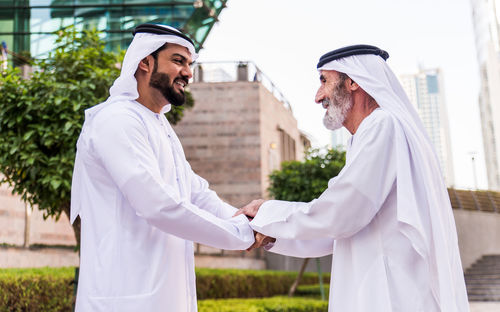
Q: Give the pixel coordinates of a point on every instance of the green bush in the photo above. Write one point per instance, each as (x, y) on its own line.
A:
(275, 304)
(51, 289)
(228, 283)
(44, 289)
(311, 290)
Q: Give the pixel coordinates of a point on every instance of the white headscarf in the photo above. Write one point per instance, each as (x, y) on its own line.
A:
(143, 44)
(423, 204)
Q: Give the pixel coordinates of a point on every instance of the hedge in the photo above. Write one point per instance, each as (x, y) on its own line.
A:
(274, 304)
(231, 283)
(312, 290)
(51, 289)
(44, 289)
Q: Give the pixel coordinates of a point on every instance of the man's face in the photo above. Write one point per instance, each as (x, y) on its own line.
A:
(171, 73)
(335, 98)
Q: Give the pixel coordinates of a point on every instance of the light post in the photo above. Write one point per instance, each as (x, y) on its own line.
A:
(473, 154)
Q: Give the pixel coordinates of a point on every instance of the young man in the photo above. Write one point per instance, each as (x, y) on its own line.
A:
(141, 206)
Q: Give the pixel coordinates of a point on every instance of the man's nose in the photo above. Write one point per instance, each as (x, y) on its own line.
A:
(187, 72)
(319, 96)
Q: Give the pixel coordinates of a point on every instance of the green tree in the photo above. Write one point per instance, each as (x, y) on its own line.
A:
(305, 181)
(41, 117)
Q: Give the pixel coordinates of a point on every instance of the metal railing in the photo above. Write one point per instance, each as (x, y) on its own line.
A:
(229, 71)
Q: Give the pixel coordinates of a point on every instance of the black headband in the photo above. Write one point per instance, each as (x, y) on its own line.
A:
(351, 50)
(160, 30)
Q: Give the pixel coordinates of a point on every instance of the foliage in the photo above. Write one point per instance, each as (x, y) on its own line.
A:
(274, 304)
(41, 117)
(305, 181)
(311, 290)
(36, 289)
(216, 283)
(41, 290)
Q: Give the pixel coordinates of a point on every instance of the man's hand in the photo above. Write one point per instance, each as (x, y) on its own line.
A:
(261, 240)
(251, 209)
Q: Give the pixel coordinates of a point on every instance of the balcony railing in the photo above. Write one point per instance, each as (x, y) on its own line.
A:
(236, 71)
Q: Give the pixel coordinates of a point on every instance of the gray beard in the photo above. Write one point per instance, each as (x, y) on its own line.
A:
(337, 111)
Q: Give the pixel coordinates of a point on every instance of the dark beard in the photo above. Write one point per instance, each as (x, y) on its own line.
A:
(160, 81)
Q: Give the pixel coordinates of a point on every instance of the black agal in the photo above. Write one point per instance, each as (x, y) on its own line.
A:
(160, 30)
(351, 50)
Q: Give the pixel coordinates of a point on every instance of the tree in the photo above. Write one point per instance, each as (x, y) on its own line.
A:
(303, 182)
(41, 118)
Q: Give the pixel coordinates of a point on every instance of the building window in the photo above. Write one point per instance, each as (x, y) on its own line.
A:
(287, 146)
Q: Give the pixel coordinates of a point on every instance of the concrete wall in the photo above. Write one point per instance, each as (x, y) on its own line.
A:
(22, 226)
(229, 135)
(282, 263)
(221, 138)
(274, 116)
(15, 257)
(478, 234)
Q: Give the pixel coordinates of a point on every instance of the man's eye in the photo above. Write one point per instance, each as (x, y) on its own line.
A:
(178, 61)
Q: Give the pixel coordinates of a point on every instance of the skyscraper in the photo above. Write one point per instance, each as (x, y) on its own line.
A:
(486, 30)
(340, 137)
(425, 91)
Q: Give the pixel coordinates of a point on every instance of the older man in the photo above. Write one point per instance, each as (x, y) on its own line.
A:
(141, 206)
(386, 216)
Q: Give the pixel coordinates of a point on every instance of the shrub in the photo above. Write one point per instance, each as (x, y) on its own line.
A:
(51, 289)
(217, 283)
(275, 304)
(311, 290)
(45, 289)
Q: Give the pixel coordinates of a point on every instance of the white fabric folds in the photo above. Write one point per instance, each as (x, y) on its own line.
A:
(387, 215)
(423, 201)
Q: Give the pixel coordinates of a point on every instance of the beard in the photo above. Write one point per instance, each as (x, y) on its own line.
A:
(161, 82)
(338, 107)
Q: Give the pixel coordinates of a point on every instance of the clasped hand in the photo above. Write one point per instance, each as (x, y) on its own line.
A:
(250, 211)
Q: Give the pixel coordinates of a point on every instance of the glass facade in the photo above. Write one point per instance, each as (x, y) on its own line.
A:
(28, 26)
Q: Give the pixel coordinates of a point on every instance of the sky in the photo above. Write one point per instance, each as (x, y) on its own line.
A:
(285, 39)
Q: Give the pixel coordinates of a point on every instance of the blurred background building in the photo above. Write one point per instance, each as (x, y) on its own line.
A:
(28, 26)
(340, 137)
(485, 15)
(426, 93)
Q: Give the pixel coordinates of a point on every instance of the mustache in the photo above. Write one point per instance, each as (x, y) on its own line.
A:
(325, 103)
(183, 78)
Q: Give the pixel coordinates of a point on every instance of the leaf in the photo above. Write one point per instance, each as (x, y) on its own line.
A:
(55, 184)
(67, 126)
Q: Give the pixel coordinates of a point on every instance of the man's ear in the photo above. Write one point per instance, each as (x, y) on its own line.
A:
(351, 85)
(146, 63)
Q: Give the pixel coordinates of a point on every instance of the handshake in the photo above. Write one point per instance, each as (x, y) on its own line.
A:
(250, 211)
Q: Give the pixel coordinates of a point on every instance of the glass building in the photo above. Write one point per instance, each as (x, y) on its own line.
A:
(28, 26)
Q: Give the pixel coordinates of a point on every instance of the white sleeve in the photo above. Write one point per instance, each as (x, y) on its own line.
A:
(349, 203)
(121, 144)
(314, 248)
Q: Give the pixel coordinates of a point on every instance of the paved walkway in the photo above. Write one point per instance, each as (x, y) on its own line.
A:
(484, 306)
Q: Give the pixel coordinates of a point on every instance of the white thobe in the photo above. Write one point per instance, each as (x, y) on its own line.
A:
(141, 206)
(376, 267)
